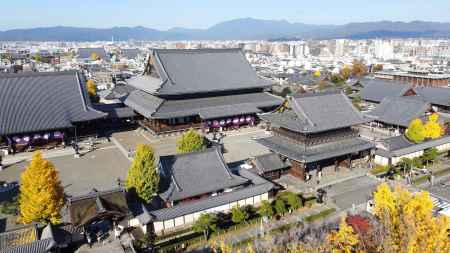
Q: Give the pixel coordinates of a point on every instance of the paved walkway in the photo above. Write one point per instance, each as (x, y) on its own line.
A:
(54, 153)
(330, 177)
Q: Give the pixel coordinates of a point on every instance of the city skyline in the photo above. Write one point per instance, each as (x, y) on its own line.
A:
(201, 14)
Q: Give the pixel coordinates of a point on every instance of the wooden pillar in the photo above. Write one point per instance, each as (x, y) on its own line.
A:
(298, 169)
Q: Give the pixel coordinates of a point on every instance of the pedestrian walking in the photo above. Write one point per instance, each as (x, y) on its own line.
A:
(1, 160)
(319, 176)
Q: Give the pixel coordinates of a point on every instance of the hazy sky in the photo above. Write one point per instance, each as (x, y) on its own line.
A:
(164, 14)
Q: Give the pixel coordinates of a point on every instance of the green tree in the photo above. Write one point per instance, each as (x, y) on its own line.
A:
(206, 223)
(37, 57)
(416, 131)
(280, 206)
(239, 215)
(191, 141)
(265, 209)
(143, 177)
(293, 201)
(417, 162)
(41, 193)
(430, 154)
(406, 164)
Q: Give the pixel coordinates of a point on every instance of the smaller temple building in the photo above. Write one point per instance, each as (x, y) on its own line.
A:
(196, 183)
(314, 131)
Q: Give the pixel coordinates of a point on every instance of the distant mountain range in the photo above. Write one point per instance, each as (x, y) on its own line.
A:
(238, 29)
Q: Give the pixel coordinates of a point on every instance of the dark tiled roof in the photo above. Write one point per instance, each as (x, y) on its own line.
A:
(85, 53)
(115, 111)
(205, 70)
(301, 153)
(18, 237)
(399, 145)
(130, 53)
(40, 246)
(219, 106)
(119, 91)
(84, 209)
(376, 90)
(258, 186)
(399, 111)
(317, 112)
(31, 102)
(269, 162)
(180, 175)
(434, 95)
(143, 103)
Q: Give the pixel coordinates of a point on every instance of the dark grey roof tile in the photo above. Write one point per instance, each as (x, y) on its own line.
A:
(180, 175)
(32, 102)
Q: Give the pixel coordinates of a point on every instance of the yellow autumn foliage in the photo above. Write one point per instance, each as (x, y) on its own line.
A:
(409, 222)
(432, 127)
(317, 73)
(41, 194)
(345, 240)
(91, 88)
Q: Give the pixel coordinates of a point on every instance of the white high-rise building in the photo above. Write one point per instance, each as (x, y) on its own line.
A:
(340, 47)
(384, 49)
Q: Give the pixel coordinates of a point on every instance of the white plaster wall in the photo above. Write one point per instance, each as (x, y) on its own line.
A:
(191, 218)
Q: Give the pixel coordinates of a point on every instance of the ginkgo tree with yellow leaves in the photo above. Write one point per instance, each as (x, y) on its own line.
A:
(41, 194)
(417, 131)
(433, 129)
(408, 222)
(344, 240)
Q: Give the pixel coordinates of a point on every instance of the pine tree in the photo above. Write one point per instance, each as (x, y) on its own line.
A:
(280, 206)
(191, 141)
(238, 214)
(416, 131)
(293, 201)
(205, 223)
(265, 209)
(143, 177)
(41, 194)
